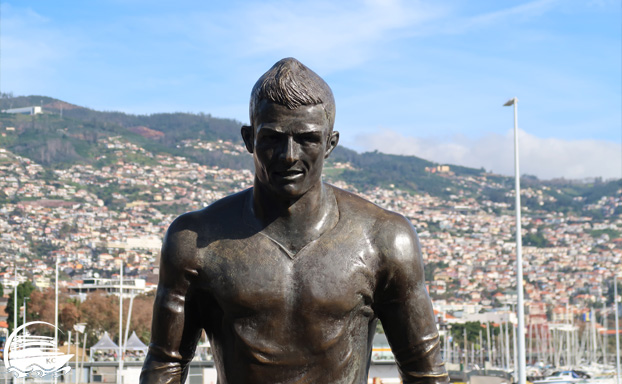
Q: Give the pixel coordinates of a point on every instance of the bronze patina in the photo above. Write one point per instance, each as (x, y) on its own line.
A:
(288, 278)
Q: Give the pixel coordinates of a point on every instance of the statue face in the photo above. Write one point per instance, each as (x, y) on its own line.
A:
(290, 147)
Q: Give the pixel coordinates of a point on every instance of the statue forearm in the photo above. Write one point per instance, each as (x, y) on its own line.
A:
(422, 363)
(162, 371)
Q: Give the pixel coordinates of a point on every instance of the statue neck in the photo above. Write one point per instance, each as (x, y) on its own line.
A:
(296, 222)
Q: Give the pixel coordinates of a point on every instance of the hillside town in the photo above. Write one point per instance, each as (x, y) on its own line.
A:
(95, 218)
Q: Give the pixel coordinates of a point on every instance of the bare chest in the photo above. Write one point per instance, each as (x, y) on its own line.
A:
(328, 278)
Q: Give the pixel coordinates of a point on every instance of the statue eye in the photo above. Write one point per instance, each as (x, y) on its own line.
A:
(309, 138)
(269, 136)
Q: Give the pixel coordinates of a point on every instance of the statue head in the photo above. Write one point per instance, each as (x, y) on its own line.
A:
(291, 84)
(292, 114)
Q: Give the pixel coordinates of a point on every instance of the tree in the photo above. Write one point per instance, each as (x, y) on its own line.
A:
(536, 240)
(23, 290)
(142, 313)
(431, 268)
(610, 291)
(100, 312)
(41, 305)
(41, 308)
(69, 315)
(473, 329)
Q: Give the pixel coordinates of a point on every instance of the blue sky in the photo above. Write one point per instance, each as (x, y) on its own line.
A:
(424, 78)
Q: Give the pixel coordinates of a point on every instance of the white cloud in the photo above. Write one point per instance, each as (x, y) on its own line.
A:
(329, 35)
(524, 11)
(546, 158)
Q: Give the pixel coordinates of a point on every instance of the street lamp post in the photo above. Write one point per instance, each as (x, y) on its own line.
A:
(24, 322)
(521, 368)
(615, 306)
(120, 369)
(25, 299)
(56, 310)
(15, 298)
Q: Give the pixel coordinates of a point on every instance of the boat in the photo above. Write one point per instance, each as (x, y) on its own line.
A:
(490, 376)
(564, 377)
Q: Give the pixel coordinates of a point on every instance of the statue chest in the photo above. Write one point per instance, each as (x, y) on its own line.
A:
(329, 278)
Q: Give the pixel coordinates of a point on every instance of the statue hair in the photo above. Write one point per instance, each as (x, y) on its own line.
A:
(291, 84)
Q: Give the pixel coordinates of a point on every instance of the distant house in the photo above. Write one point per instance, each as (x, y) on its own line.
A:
(438, 169)
(438, 286)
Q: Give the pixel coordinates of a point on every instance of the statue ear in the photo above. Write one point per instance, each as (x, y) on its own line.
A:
(248, 135)
(333, 139)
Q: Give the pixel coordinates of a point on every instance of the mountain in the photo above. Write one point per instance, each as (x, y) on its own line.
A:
(66, 134)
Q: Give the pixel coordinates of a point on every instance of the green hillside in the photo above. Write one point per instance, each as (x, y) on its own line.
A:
(67, 134)
(57, 141)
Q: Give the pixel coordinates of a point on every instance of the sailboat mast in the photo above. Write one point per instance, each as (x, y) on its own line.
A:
(481, 349)
(605, 345)
(488, 343)
(595, 344)
(507, 343)
(466, 350)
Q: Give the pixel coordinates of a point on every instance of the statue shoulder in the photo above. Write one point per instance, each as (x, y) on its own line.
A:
(355, 204)
(184, 232)
(227, 208)
(393, 234)
(399, 246)
(364, 210)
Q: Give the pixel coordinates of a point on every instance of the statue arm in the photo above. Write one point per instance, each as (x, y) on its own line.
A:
(175, 328)
(404, 307)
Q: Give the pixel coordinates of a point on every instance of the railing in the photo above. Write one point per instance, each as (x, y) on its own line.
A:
(200, 372)
(106, 372)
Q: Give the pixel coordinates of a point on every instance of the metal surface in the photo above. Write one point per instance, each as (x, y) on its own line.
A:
(289, 278)
(520, 307)
(617, 320)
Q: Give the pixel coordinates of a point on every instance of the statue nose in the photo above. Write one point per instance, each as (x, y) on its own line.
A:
(290, 151)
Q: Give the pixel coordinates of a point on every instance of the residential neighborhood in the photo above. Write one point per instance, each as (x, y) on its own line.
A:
(468, 246)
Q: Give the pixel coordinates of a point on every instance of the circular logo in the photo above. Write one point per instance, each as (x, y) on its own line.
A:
(27, 354)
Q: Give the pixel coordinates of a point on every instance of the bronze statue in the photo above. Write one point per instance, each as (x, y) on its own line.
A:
(289, 278)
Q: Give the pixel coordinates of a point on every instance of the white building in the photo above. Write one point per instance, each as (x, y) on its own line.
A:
(24, 111)
(111, 286)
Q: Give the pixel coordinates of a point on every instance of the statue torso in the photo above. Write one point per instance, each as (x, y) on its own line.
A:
(282, 318)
